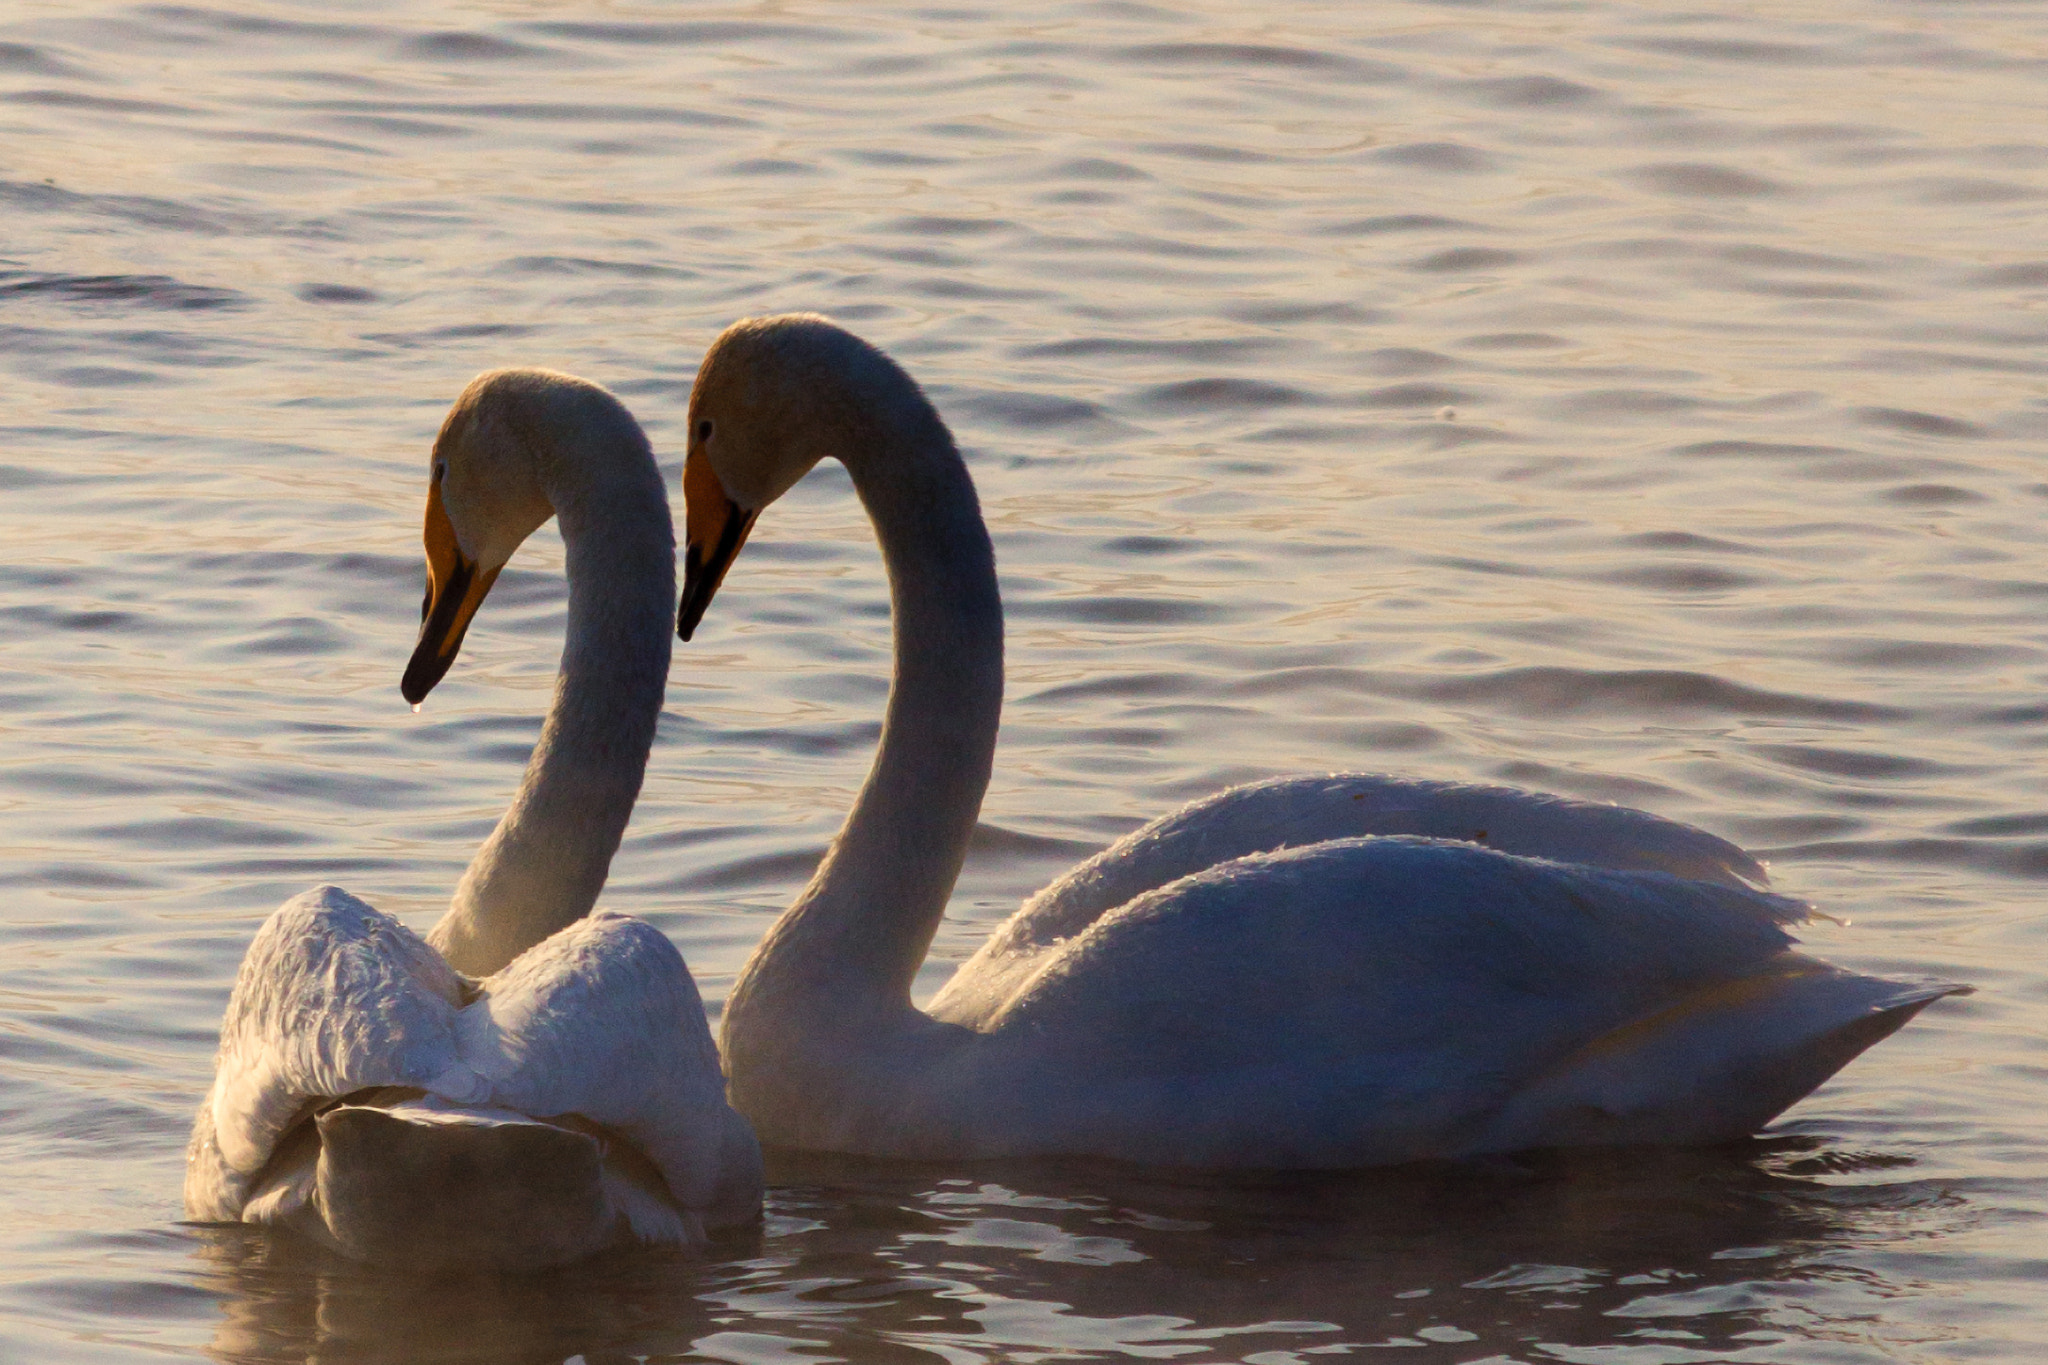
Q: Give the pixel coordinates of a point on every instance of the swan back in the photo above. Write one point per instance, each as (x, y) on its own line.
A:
(1297, 812)
(599, 1025)
(1383, 999)
(1294, 812)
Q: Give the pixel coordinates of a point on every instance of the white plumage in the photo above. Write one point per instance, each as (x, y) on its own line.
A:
(338, 1005)
(1312, 972)
(567, 1096)
(1324, 972)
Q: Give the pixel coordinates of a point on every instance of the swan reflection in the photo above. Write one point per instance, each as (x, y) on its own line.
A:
(1624, 1255)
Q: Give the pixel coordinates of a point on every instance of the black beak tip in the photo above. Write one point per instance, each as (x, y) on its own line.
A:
(425, 669)
(702, 572)
(690, 612)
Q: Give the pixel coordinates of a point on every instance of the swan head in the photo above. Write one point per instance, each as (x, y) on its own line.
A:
(487, 491)
(773, 397)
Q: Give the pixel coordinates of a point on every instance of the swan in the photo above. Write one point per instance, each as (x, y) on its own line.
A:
(1313, 972)
(531, 1082)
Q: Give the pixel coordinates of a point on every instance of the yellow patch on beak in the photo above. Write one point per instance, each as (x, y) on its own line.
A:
(455, 589)
(714, 529)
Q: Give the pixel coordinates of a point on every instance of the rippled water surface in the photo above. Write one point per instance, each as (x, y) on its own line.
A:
(1644, 402)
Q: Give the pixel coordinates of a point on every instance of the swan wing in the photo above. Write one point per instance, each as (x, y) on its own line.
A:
(333, 997)
(1294, 812)
(602, 1020)
(1369, 1000)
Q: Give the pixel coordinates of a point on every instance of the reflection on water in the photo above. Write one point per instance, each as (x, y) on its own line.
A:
(1687, 1256)
(1642, 402)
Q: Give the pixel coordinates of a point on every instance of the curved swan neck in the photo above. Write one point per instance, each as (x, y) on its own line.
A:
(544, 864)
(852, 942)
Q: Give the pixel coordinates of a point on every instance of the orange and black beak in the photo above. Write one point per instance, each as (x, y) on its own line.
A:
(714, 528)
(455, 589)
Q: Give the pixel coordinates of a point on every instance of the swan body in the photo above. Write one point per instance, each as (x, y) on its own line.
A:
(544, 1097)
(1312, 972)
(532, 1082)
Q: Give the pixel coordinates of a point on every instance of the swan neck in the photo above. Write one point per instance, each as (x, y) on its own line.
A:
(544, 865)
(852, 942)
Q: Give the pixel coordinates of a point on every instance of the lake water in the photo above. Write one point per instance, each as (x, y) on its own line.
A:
(1643, 402)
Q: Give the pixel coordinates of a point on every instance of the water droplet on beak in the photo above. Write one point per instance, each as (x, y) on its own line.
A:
(416, 708)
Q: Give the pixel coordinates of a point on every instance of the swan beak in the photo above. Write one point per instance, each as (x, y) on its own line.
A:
(455, 589)
(714, 528)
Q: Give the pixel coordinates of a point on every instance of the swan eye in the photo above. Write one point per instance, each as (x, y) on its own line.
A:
(703, 430)
(440, 470)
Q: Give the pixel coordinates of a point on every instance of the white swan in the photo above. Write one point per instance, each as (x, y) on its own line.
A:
(1315, 972)
(371, 1096)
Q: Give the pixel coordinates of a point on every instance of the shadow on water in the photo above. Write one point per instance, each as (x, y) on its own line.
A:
(1683, 1255)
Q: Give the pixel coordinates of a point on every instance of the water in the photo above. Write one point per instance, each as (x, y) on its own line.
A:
(1641, 403)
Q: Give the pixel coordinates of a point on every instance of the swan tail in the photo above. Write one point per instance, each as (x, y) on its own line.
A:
(460, 1188)
(1714, 1067)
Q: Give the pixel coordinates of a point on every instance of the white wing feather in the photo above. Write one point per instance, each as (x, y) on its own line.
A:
(601, 1021)
(333, 997)
(1297, 812)
(1379, 999)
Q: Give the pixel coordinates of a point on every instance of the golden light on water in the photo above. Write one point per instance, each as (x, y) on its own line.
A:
(1738, 312)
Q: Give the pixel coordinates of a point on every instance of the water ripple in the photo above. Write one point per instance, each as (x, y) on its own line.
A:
(1646, 407)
